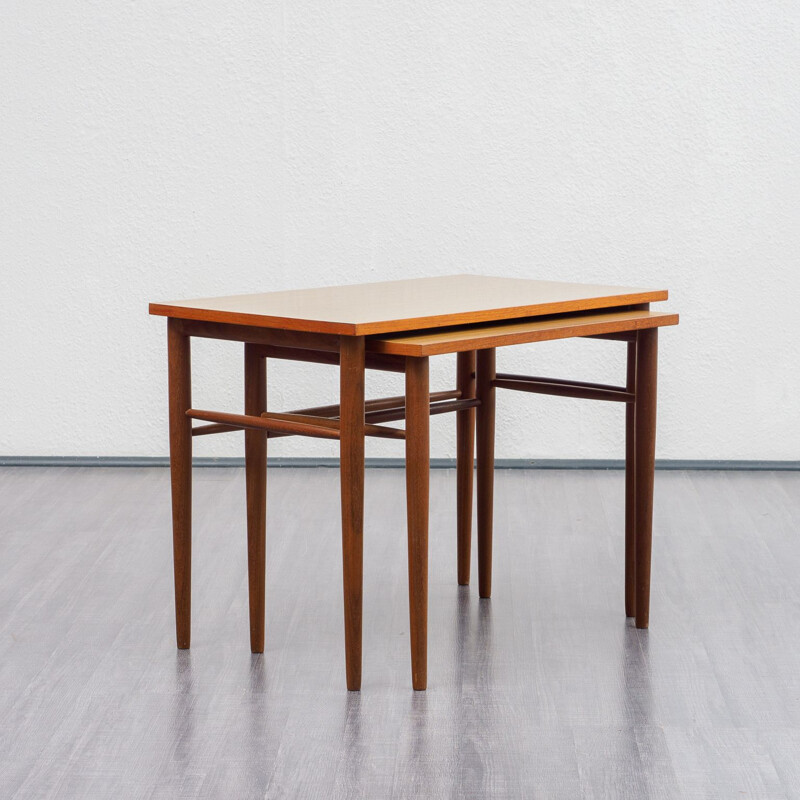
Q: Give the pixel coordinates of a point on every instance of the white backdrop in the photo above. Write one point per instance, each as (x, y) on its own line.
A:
(162, 150)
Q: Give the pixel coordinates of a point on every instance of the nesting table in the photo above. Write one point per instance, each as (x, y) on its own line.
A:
(397, 326)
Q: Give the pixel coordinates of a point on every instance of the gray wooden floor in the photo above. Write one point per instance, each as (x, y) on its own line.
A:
(544, 691)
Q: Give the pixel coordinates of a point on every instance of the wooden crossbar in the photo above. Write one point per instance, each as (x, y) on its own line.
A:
(214, 427)
(382, 409)
(288, 424)
(394, 414)
(305, 426)
(563, 388)
(376, 405)
(333, 424)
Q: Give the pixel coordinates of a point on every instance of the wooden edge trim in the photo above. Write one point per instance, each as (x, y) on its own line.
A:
(258, 335)
(625, 336)
(383, 362)
(241, 319)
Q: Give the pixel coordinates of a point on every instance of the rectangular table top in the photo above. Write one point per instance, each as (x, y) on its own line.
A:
(405, 305)
(501, 334)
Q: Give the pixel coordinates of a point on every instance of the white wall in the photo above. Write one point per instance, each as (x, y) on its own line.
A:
(160, 150)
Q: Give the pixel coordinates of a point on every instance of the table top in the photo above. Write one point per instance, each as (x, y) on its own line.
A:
(509, 332)
(370, 308)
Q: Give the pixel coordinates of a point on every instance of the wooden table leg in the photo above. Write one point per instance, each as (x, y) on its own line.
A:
(465, 458)
(645, 448)
(255, 459)
(485, 391)
(180, 462)
(630, 488)
(417, 491)
(351, 392)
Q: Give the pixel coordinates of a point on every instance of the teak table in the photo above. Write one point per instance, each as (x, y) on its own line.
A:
(396, 326)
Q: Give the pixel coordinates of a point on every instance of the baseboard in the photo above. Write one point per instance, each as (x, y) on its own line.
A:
(396, 463)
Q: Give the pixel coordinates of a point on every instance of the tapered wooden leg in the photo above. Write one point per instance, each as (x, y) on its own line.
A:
(485, 391)
(417, 488)
(351, 392)
(645, 452)
(465, 457)
(630, 489)
(255, 459)
(180, 462)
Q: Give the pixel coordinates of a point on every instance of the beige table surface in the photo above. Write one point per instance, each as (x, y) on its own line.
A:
(413, 304)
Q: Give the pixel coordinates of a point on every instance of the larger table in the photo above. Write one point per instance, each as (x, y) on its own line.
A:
(396, 326)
